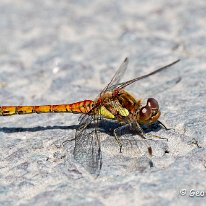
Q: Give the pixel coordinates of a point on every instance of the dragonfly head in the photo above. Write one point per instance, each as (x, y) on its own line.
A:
(150, 113)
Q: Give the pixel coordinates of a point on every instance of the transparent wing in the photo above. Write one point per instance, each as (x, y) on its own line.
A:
(87, 150)
(117, 76)
(124, 84)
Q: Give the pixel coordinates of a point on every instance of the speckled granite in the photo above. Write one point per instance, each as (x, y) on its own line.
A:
(64, 51)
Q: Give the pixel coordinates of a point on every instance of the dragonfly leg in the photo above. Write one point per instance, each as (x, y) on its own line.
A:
(155, 136)
(134, 126)
(160, 123)
(66, 141)
(117, 134)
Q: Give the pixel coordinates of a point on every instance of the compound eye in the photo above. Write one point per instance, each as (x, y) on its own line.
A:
(153, 104)
(145, 113)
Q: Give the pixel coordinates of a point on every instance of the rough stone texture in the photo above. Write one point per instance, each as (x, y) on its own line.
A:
(65, 51)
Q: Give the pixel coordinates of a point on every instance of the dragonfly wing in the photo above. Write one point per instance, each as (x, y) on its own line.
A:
(87, 149)
(118, 75)
(124, 84)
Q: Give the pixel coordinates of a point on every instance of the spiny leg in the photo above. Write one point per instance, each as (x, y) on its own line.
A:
(135, 126)
(66, 141)
(117, 137)
(118, 133)
(155, 136)
(158, 137)
(160, 123)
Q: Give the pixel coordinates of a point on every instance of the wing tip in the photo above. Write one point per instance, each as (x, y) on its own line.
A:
(126, 59)
(178, 60)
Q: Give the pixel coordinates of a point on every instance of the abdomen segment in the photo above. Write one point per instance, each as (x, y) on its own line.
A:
(78, 107)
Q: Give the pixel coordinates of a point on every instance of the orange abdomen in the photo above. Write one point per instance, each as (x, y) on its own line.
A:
(78, 107)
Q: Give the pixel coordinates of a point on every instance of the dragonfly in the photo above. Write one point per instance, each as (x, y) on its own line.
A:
(113, 103)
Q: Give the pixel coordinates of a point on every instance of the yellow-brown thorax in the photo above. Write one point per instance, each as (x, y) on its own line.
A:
(123, 107)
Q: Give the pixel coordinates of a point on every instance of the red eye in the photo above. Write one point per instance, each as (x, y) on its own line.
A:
(145, 113)
(153, 104)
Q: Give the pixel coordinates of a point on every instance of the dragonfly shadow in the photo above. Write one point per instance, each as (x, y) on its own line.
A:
(105, 126)
(155, 127)
(108, 126)
(34, 129)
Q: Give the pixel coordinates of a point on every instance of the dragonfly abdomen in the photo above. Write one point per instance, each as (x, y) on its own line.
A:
(78, 107)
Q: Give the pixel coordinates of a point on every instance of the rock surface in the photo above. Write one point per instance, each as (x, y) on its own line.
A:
(61, 52)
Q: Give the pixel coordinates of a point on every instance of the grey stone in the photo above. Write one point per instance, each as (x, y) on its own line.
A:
(61, 52)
